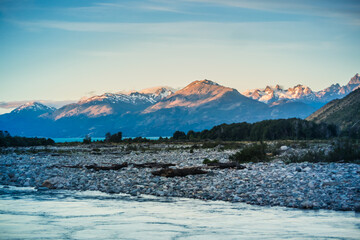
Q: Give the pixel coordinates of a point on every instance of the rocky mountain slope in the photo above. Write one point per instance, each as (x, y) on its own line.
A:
(342, 112)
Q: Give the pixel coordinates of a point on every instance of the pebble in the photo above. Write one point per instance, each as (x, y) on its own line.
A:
(297, 185)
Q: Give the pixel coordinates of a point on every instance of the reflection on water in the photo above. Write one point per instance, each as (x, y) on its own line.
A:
(29, 214)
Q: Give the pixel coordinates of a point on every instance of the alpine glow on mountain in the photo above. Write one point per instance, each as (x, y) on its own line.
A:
(160, 111)
(303, 93)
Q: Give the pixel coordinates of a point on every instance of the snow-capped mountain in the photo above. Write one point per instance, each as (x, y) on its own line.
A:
(113, 103)
(29, 119)
(337, 91)
(158, 93)
(272, 94)
(151, 95)
(301, 93)
(35, 107)
(161, 111)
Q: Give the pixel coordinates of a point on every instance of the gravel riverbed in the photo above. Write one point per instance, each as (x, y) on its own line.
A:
(298, 185)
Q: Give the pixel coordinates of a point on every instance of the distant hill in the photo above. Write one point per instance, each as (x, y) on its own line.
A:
(344, 113)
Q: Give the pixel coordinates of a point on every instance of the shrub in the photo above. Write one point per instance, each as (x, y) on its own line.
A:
(251, 153)
(210, 144)
(207, 161)
(309, 156)
(343, 151)
(130, 147)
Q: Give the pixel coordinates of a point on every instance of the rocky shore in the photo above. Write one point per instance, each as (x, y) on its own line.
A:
(298, 185)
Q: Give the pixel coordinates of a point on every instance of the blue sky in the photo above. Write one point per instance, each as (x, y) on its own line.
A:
(63, 50)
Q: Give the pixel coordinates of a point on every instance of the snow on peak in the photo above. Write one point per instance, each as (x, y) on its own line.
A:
(116, 98)
(33, 106)
(158, 93)
(303, 93)
(209, 82)
(150, 95)
(274, 93)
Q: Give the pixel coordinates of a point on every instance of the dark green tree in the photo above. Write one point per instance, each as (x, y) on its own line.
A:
(179, 135)
(107, 137)
(116, 138)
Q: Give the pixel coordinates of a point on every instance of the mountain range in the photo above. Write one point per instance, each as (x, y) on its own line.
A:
(300, 93)
(160, 111)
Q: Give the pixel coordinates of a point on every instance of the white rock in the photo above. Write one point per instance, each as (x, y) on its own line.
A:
(307, 169)
(284, 148)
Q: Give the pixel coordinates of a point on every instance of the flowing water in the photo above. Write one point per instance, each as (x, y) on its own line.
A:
(94, 139)
(26, 213)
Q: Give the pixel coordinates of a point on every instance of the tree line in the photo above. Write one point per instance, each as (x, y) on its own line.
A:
(294, 128)
(6, 140)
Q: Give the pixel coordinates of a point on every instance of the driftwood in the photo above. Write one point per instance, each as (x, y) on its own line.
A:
(118, 166)
(180, 172)
(65, 166)
(225, 165)
(96, 167)
(111, 167)
(153, 165)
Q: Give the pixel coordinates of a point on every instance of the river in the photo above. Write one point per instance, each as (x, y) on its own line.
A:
(94, 139)
(26, 213)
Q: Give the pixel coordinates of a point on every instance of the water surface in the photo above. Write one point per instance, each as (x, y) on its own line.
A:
(93, 139)
(29, 214)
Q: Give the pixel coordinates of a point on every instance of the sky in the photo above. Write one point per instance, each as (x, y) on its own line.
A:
(60, 51)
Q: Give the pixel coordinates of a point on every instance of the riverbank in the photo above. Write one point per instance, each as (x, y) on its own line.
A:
(333, 186)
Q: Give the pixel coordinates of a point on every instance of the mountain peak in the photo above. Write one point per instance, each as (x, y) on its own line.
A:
(149, 95)
(158, 93)
(209, 82)
(303, 93)
(33, 106)
(195, 94)
(355, 79)
(272, 94)
(203, 88)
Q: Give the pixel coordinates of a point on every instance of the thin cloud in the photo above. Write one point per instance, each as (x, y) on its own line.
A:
(174, 28)
(144, 6)
(211, 32)
(161, 9)
(348, 10)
